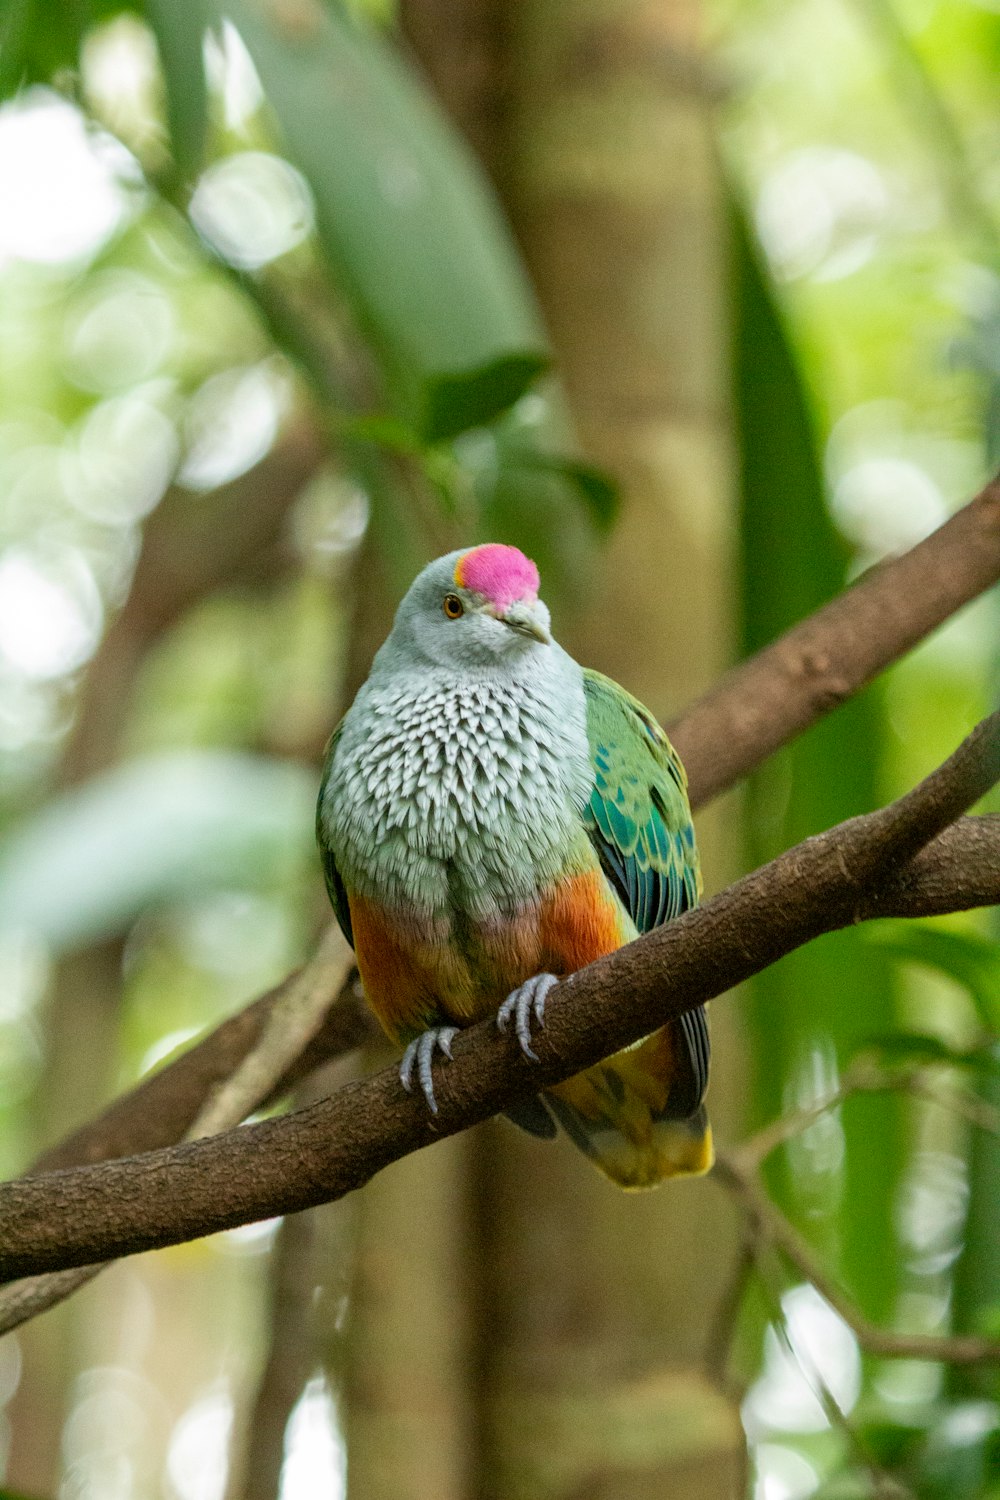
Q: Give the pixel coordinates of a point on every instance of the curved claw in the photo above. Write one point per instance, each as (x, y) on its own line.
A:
(421, 1053)
(527, 1001)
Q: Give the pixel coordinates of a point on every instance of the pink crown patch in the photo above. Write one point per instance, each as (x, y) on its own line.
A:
(501, 574)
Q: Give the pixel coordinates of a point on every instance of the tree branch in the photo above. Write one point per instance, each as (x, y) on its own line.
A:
(814, 667)
(724, 735)
(848, 874)
(291, 1021)
(959, 870)
(163, 1107)
(771, 1225)
(756, 707)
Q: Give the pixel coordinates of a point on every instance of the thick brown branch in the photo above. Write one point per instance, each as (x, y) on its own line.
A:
(766, 701)
(320, 1153)
(959, 870)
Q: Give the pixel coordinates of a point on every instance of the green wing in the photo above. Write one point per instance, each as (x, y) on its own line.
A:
(639, 821)
(638, 816)
(334, 884)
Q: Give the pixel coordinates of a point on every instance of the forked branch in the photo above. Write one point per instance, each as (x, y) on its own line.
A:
(859, 869)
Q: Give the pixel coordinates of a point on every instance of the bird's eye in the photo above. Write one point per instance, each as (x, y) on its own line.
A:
(453, 606)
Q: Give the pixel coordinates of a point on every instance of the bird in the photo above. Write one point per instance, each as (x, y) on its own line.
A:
(492, 816)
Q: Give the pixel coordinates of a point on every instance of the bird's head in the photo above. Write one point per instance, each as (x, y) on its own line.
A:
(478, 607)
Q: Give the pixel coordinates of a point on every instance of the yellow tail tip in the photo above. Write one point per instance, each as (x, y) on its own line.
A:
(675, 1150)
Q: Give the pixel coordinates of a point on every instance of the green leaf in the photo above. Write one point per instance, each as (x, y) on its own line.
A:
(15, 26)
(408, 224)
(36, 41)
(889, 1443)
(962, 1453)
(180, 30)
(39, 39)
(149, 831)
(596, 489)
(455, 403)
(809, 1012)
(913, 1048)
(972, 961)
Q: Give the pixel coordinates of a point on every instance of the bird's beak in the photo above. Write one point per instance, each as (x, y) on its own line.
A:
(522, 618)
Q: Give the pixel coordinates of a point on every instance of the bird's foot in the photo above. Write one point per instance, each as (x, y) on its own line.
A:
(527, 1001)
(420, 1054)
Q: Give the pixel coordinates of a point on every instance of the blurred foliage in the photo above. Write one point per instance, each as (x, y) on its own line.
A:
(274, 228)
(808, 1010)
(407, 226)
(159, 827)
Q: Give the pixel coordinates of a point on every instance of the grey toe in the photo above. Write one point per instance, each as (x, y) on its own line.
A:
(526, 1006)
(420, 1053)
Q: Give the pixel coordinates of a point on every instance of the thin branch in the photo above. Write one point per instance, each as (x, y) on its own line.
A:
(323, 1152)
(756, 1148)
(722, 1330)
(918, 1081)
(766, 701)
(771, 1279)
(771, 1225)
(866, 1076)
(162, 1108)
(289, 1024)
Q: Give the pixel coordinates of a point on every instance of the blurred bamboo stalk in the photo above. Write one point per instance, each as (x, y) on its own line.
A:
(307, 1277)
(81, 1030)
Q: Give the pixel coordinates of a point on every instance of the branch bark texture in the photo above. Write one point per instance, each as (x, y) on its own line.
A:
(869, 866)
(766, 701)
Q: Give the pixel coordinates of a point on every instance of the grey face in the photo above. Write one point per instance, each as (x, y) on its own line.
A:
(439, 624)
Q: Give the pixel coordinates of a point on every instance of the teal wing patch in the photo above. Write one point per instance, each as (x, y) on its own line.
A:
(638, 816)
(639, 822)
(334, 885)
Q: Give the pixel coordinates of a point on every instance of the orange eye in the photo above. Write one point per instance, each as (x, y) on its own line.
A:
(453, 606)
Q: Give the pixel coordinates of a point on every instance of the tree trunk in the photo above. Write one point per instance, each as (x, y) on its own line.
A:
(81, 1043)
(407, 1409)
(600, 1304)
